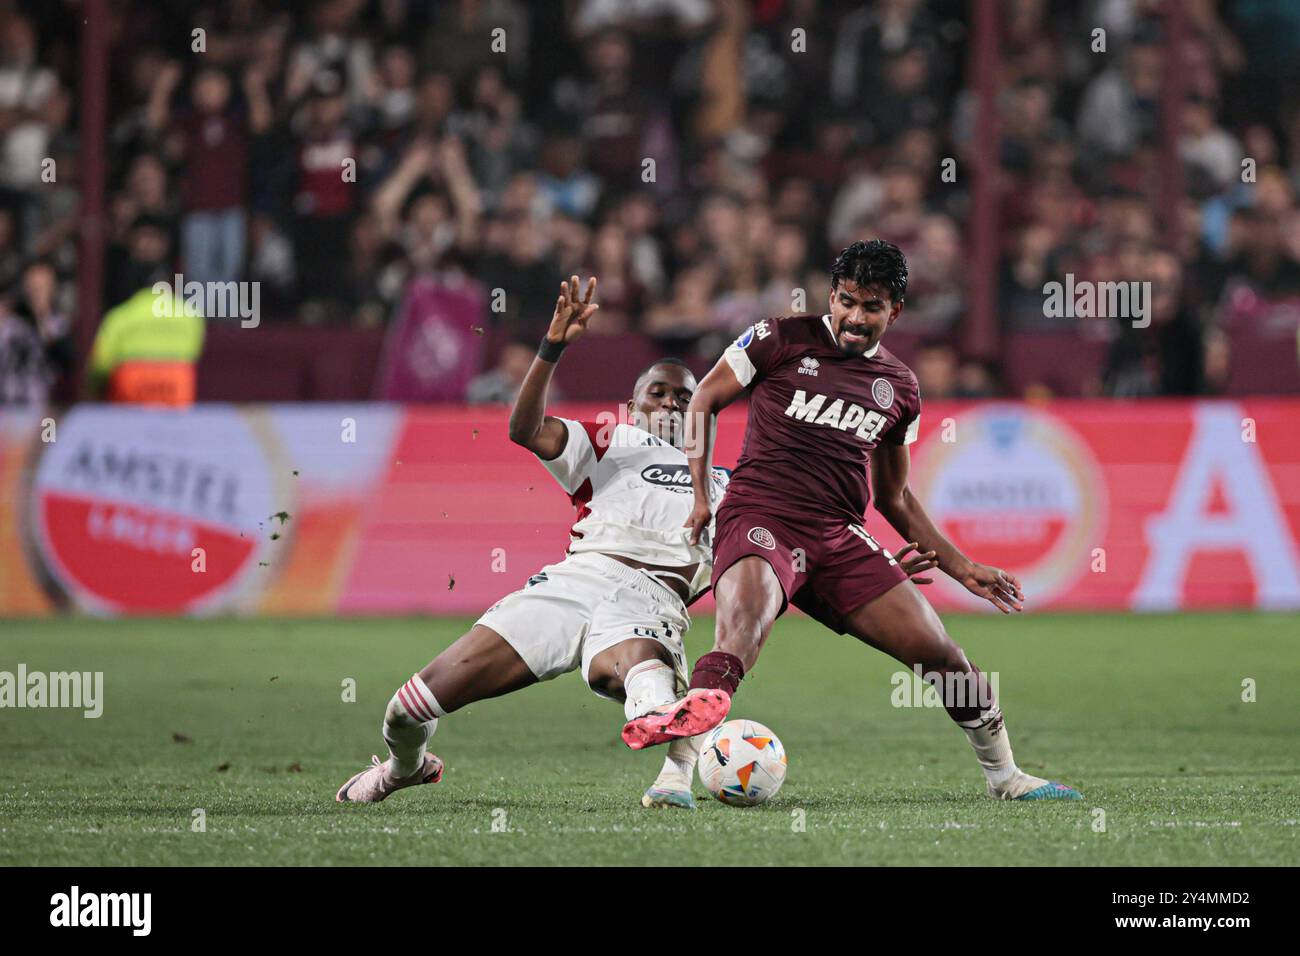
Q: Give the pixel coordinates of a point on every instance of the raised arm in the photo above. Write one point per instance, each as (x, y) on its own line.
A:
(890, 464)
(718, 390)
(261, 115)
(158, 109)
(530, 426)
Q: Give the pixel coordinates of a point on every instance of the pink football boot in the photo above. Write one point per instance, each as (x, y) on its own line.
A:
(373, 784)
(698, 711)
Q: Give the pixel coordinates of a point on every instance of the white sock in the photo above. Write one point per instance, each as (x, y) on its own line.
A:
(409, 722)
(679, 764)
(988, 737)
(652, 684)
(648, 685)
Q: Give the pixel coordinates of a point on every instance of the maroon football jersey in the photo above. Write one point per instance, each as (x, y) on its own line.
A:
(815, 414)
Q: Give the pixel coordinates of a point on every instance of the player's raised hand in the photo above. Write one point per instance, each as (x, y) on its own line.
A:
(571, 312)
(698, 520)
(996, 586)
(918, 563)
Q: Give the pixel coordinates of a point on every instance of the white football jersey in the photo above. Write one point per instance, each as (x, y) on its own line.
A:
(633, 494)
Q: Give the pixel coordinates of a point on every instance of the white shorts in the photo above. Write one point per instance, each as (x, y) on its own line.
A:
(569, 612)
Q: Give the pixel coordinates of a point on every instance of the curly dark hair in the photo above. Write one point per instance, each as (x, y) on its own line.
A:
(873, 262)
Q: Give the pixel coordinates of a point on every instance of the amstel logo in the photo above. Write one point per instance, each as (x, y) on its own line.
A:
(125, 507)
(1016, 489)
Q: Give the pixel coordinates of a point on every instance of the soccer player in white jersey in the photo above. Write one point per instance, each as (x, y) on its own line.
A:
(615, 607)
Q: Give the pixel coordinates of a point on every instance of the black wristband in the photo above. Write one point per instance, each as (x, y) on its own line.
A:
(550, 351)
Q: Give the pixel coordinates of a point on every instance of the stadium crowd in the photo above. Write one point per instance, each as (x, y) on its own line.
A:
(704, 158)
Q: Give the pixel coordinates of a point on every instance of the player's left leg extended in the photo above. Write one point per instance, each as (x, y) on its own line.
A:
(478, 665)
(641, 673)
(902, 623)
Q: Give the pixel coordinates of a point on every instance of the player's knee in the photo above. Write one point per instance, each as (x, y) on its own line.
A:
(923, 641)
(942, 654)
(609, 667)
(396, 715)
(606, 681)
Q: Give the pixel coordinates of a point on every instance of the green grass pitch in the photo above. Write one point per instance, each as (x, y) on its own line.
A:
(1143, 713)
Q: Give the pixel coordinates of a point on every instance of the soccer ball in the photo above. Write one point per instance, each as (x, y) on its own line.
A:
(742, 763)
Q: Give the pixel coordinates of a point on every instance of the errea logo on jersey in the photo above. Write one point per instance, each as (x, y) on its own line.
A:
(808, 365)
(867, 425)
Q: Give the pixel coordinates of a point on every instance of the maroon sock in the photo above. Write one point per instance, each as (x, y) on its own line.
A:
(718, 671)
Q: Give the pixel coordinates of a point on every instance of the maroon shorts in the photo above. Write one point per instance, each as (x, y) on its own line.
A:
(827, 568)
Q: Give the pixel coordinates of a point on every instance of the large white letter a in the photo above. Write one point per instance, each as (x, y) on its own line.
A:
(1251, 523)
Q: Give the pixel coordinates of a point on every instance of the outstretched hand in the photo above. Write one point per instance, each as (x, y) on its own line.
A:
(996, 586)
(571, 313)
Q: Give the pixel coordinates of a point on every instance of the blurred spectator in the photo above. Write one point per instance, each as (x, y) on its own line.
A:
(146, 350)
(11, 249)
(1166, 358)
(1207, 148)
(26, 377)
(1118, 110)
(332, 47)
(784, 260)
(568, 188)
(395, 97)
(143, 257)
(518, 262)
(500, 385)
(499, 142)
(906, 97)
(680, 322)
(27, 91)
(460, 39)
(211, 143)
(874, 34)
(1260, 258)
(1024, 274)
(271, 264)
(144, 193)
(596, 15)
(621, 294)
(935, 301)
(326, 196)
(935, 366)
(35, 339)
(975, 380)
(620, 125)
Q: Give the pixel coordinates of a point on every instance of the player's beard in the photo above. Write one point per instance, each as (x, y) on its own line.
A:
(855, 346)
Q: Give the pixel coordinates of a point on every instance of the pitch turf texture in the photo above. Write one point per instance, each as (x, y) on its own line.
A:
(246, 721)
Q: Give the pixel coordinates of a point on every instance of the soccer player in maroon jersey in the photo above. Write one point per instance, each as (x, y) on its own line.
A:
(827, 403)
